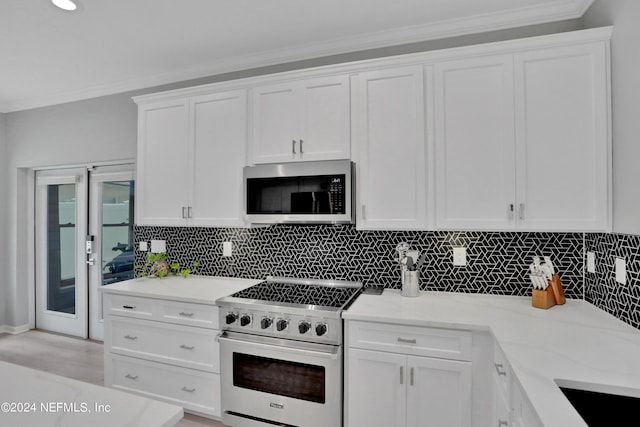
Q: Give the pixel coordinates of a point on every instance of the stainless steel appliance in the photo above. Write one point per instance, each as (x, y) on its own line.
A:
(281, 353)
(302, 192)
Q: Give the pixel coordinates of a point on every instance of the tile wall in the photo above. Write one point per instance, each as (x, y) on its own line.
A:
(497, 262)
(601, 287)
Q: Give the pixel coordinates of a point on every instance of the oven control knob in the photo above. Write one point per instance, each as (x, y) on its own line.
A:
(231, 317)
(321, 329)
(304, 326)
(266, 322)
(245, 319)
(281, 324)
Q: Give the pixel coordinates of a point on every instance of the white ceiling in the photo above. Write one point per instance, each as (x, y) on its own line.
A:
(48, 56)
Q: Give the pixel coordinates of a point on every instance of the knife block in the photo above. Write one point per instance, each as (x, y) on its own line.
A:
(543, 299)
(554, 294)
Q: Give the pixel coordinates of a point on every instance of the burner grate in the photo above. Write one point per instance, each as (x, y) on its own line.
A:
(295, 293)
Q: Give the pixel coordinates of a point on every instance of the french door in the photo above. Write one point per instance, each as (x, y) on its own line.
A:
(84, 240)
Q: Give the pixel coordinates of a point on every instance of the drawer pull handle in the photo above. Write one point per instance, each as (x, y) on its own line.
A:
(503, 423)
(129, 307)
(187, 347)
(182, 313)
(130, 337)
(499, 369)
(406, 340)
(131, 377)
(188, 390)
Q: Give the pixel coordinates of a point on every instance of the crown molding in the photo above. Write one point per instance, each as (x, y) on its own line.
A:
(532, 15)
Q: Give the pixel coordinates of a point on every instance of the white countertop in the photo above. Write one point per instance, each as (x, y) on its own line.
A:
(576, 344)
(195, 289)
(39, 399)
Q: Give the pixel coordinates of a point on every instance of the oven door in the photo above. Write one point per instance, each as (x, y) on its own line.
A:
(267, 381)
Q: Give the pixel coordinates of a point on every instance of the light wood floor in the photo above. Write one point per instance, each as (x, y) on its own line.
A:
(69, 357)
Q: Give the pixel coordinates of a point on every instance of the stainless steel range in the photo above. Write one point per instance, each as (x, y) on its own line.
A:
(281, 353)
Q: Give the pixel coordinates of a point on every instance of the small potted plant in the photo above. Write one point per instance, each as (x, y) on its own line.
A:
(158, 266)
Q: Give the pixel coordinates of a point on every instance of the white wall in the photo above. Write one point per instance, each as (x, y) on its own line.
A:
(3, 215)
(624, 15)
(100, 129)
(104, 129)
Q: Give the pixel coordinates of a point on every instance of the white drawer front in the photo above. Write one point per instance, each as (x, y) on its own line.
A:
(413, 340)
(501, 372)
(122, 305)
(184, 313)
(180, 345)
(194, 390)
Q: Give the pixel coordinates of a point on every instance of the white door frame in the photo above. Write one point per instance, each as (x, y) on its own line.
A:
(66, 323)
(98, 176)
(28, 174)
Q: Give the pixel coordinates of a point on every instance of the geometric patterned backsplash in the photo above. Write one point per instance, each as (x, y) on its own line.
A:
(497, 262)
(601, 287)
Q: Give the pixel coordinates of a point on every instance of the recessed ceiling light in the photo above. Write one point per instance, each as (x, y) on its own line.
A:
(65, 4)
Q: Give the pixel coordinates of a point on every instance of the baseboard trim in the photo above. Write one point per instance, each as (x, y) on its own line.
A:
(6, 329)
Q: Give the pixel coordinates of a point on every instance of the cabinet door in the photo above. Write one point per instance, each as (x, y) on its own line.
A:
(219, 137)
(324, 128)
(275, 123)
(562, 138)
(390, 139)
(163, 163)
(475, 155)
(376, 389)
(439, 393)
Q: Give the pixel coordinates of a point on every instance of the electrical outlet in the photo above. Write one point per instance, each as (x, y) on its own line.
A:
(143, 246)
(591, 262)
(460, 256)
(227, 249)
(621, 271)
(158, 246)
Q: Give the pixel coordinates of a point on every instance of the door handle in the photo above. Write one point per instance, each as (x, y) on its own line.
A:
(411, 376)
(91, 262)
(301, 152)
(293, 146)
(401, 375)
(521, 211)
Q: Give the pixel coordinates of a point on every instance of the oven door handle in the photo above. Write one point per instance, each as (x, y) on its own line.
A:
(297, 347)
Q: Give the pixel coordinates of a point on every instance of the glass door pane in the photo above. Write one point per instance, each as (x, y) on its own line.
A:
(61, 248)
(117, 231)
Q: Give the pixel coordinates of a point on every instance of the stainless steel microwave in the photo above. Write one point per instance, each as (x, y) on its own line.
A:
(300, 193)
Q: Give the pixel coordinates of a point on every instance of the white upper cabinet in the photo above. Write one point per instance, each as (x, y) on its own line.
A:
(562, 141)
(219, 139)
(301, 121)
(522, 140)
(475, 153)
(190, 157)
(162, 182)
(389, 129)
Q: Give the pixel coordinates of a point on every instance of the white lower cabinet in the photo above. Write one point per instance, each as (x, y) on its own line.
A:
(511, 406)
(399, 387)
(163, 349)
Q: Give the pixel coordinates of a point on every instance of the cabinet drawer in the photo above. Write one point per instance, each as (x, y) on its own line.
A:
(501, 372)
(194, 390)
(179, 345)
(123, 305)
(184, 313)
(413, 340)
